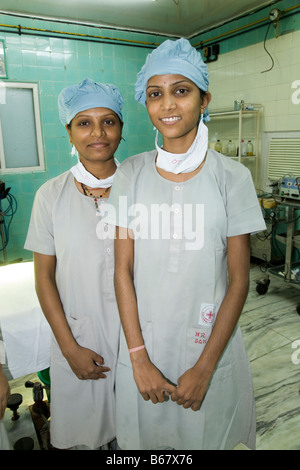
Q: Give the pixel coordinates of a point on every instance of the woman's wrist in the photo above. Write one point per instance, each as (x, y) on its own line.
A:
(138, 348)
(69, 348)
(2, 375)
(139, 355)
(204, 369)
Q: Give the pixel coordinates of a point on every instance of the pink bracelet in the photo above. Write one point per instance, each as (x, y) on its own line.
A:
(136, 349)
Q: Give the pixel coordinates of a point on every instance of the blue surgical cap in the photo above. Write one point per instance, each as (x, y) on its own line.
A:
(86, 95)
(173, 57)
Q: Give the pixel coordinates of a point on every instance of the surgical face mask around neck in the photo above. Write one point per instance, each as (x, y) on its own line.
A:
(83, 176)
(184, 162)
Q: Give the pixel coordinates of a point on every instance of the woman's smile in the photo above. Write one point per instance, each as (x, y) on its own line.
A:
(98, 144)
(170, 120)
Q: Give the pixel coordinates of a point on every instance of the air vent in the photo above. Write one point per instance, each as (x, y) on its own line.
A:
(284, 157)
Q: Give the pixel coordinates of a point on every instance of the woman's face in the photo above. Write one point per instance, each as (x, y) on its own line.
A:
(174, 106)
(96, 134)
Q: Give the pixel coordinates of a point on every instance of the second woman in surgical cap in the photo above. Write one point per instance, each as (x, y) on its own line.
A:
(74, 270)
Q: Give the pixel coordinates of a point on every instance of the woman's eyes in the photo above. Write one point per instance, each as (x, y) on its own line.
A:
(106, 122)
(109, 122)
(154, 94)
(179, 91)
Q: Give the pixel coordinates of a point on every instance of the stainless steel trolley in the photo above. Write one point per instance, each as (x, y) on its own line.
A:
(289, 271)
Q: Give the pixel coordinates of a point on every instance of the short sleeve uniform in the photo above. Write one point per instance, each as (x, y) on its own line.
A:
(180, 277)
(64, 224)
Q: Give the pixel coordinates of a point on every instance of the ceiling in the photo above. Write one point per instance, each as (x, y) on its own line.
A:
(168, 17)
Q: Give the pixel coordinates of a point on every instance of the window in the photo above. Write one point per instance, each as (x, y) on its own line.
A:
(2, 60)
(21, 148)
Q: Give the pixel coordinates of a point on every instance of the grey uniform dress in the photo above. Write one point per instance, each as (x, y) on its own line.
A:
(64, 224)
(180, 277)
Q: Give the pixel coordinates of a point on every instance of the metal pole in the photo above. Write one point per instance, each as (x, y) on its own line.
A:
(2, 234)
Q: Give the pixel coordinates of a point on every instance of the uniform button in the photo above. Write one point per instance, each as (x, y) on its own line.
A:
(177, 188)
(175, 236)
(108, 250)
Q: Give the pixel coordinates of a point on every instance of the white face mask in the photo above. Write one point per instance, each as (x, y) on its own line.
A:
(85, 177)
(184, 162)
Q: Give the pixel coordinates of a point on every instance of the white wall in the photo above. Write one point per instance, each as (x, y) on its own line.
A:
(237, 76)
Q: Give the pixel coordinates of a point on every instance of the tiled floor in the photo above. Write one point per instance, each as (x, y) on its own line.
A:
(270, 325)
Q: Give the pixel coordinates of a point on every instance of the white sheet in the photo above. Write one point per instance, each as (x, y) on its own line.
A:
(25, 331)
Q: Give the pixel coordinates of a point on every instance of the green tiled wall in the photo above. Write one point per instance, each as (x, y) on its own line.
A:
(54, 63)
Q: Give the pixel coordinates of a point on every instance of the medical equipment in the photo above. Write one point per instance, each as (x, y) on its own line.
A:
(13, 404)
(40, 413)
(286, 192)
(33, 430)
(287, 187)
(290, 188)
(6, 215)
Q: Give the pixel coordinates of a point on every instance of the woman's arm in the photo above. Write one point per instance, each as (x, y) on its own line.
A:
(82, 361)
(4, 392)
(150, 382)
(194, 382)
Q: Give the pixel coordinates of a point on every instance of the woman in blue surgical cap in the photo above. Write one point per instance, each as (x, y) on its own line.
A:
(183, 377)
(74, 265)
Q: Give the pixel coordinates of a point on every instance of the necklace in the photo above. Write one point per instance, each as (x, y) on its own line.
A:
(87, 192)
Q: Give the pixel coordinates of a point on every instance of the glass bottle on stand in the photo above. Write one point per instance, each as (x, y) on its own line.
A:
(231, 149)
(249, 148)
(243, 148)
(218, 146)
(225, 148)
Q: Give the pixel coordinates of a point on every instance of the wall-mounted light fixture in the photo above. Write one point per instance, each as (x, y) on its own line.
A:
(274, 16)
